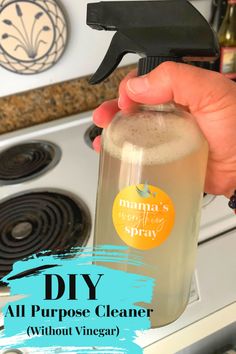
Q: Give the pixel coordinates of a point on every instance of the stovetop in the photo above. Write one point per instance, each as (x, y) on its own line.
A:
(61, 160)
(48, 180)
(54, 165)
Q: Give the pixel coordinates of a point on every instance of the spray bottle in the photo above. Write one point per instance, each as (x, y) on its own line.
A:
(153, 160)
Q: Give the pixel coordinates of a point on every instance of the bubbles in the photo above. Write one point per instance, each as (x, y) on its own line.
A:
(151, 137)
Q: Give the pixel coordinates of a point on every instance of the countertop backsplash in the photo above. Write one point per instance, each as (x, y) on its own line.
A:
(56, 101)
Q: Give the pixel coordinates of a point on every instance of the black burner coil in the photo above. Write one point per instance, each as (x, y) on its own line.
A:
(27, 160)
(92, 132)
(35, 222)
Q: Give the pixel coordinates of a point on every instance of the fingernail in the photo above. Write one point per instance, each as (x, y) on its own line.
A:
(121, 102)
(138, 85)
(97, 144)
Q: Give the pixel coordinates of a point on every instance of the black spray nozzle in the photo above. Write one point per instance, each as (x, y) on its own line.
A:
(157, 30)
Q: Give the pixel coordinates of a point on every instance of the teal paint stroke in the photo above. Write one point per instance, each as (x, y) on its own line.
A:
(117, 288)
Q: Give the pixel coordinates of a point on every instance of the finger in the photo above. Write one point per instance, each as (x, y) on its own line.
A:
(184, 84)
(124, 101)
(103, 115)
(97, 143)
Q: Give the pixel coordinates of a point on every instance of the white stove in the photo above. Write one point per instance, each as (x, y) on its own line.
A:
(72, 174)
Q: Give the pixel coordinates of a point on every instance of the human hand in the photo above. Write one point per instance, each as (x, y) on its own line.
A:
(209, 96)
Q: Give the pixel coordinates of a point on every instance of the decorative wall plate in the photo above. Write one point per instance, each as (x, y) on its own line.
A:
(33, 35)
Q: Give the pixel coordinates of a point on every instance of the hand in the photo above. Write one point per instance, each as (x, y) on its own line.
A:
(209, 96)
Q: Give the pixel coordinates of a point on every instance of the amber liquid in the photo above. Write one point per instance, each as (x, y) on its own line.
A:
(172, 263)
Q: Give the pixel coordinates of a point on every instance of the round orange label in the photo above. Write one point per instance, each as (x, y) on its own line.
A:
(143, 216)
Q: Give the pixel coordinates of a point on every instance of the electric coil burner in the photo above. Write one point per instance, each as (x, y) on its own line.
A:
(92, 132)
(26, 161)
(34, 222)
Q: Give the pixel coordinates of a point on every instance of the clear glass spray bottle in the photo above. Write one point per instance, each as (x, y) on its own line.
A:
(153, 160)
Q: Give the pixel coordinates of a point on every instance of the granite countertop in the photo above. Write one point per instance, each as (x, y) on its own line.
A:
(56, 101)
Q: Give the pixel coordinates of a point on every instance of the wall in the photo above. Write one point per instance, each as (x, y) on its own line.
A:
(85, 50)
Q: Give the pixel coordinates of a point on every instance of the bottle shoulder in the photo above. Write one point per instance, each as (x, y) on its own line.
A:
(227, 36)
(154, 133)
(227, 31)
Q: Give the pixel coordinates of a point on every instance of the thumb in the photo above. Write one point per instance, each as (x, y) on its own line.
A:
(184, 84)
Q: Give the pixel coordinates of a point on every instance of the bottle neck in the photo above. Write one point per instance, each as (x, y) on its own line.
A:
(231, 9)
(227, 35)
(165, 107)
(149, 63)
